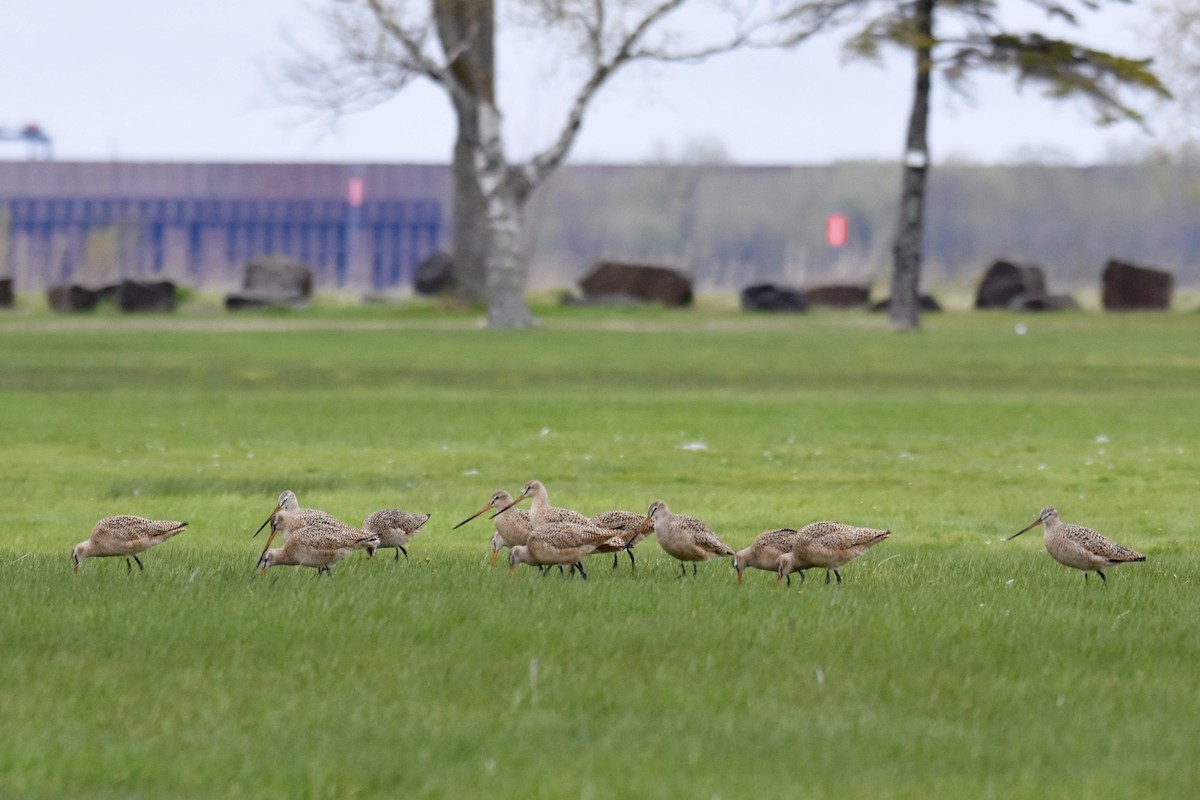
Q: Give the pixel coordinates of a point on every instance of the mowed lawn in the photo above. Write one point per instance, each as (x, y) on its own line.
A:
(949, 664)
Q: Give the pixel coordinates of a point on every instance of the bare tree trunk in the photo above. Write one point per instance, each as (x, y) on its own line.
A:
(470, 209)
(506, 306)
(467, 28)
(505, 190)
(904, 309)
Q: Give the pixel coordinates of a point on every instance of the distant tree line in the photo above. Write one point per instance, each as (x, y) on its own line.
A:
(731, 226)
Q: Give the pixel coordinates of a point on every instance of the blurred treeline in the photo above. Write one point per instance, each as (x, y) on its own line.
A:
(730, 226)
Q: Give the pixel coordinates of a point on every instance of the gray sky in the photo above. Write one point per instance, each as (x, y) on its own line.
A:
(190, 80)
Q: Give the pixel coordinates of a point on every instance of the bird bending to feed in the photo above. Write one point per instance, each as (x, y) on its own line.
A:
(558, 543)
(512, 528)
(124, 535)
(305, 548)
(541, 513)
(685, 538)
(629, 525)
(395, 528)
(830, 546)
(768, 549)
(288, 516)
(311, 538)
(1079, 547)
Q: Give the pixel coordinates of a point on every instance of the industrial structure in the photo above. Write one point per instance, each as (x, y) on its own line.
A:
(94, 223)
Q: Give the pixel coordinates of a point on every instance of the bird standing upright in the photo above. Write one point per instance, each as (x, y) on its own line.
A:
(1079, 547)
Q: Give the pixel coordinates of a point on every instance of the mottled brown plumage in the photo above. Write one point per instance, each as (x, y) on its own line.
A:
(629, 525)
(512, 527)
(559, 543)
(830, 546)
(1079, 547)
(124, 535)
(395, 528)
(540, 510)
(311, 538)
(685, 538)
(768, 549)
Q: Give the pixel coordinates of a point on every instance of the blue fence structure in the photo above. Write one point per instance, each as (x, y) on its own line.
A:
(202, 235)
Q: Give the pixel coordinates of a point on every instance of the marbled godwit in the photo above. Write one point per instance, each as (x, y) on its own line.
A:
(768, 549)
(540, 510)
(629, 525)
(558, 543)
(124, 535)
(829, 545)
(395, 528)
(317, 546)
(1079, 547)
(685, 538)
(542, 513)
(512, 528)
(287, 503)
(288, 518)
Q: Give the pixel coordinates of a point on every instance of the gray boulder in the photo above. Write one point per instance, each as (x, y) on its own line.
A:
(133, 296)
(769, 297)
(72, 298)
(1012, 286)
(273, 281)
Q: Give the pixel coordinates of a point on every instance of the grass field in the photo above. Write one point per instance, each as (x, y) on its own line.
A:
(947, 665)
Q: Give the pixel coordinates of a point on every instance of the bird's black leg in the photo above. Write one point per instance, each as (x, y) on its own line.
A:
(632, 560)
(401, 550)
(128, 566)
(826, 577)
(1101, 574)
(694, 565)
(139, 563)
(788, 578)
(683, 569)
(582, 571)
(615, 560)
(838, 575)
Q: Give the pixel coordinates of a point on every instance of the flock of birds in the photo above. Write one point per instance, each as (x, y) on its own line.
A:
(546, 537)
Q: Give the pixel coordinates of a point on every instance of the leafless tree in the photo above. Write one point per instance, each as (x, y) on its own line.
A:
(381, 46)
(1176, 30)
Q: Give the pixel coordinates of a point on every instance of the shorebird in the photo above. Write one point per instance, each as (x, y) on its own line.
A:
(685, 538)
(629, 525)
(559, 543)
(316, 533)
(395, 528)
(512, 528)
(1079, 547)
(540, 510)
(288, 515)
(541, 513)
(124, 535)
(766, 552)
(317, 545)
(829, 545)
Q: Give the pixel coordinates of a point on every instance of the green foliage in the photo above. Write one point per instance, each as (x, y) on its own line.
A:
(970, 35)
(948, 664)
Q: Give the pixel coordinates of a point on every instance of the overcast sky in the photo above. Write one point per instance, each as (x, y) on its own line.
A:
(189, 80)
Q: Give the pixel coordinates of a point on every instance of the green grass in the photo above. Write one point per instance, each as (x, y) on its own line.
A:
(947, 665)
